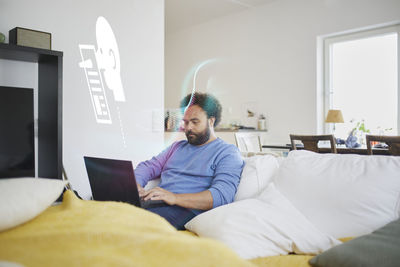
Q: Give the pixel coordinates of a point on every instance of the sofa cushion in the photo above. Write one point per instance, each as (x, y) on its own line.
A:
(22, 199)
(257, 173)
(342, 195)
(380, 248)
(262, 227)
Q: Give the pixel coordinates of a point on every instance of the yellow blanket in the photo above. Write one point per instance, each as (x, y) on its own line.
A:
(91, 233)
(288, 260)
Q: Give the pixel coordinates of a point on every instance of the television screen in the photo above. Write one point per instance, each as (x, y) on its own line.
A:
(17, 149)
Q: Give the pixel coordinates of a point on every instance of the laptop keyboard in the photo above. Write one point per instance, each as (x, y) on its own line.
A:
(145, 204)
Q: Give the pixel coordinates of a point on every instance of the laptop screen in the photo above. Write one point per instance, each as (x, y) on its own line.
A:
(112, 180)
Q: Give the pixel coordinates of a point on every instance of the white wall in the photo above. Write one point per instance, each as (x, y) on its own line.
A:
(139, 30)
(267, 58)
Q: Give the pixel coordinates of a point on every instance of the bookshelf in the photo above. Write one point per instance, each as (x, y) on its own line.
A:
(50, 64)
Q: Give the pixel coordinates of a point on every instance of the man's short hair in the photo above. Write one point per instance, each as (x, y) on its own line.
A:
(207, 102)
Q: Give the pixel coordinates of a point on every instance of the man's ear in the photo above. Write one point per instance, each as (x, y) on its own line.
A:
(211, 121)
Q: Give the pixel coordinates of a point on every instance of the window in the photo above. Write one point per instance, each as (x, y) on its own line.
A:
(362, 80)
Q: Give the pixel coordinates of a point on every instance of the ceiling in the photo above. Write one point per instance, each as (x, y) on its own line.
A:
(180, 14)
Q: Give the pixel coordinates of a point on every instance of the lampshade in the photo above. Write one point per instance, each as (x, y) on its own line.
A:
(335, 116)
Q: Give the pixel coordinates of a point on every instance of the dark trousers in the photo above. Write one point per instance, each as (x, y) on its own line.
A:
(175, 215)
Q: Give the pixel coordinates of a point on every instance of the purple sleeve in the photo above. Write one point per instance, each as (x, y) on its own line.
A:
(227, 177)
(152, 168)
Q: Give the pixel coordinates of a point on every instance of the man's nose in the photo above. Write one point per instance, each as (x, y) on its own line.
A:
(188, 126)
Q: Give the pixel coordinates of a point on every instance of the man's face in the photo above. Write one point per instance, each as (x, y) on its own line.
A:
(196, 125)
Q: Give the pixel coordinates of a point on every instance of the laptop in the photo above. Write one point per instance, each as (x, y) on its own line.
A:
(114, 180)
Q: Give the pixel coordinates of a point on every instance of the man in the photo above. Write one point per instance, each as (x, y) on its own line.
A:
(198, 174)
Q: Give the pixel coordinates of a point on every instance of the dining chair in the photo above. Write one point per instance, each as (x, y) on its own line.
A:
(248, 142)
(310, 142)
(393, 143)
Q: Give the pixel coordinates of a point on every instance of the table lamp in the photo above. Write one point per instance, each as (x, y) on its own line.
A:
(334, 116)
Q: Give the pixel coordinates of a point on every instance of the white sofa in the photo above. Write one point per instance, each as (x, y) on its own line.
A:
(304, 203)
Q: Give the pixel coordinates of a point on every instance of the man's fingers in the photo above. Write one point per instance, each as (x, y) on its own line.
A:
(151, 194)
(156, 193)
(153, 197)
(142, 192)
(157, 198)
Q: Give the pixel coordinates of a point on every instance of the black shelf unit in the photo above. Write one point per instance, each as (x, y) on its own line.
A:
(50, 69)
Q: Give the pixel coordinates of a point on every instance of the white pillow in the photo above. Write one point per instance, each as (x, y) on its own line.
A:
(342, 195)
(22, 199)
(262, 227)
(257, 173)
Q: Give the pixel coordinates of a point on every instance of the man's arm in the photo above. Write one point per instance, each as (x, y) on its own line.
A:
(151, 169)
(227, 177)
(222, 190)
(199, 201)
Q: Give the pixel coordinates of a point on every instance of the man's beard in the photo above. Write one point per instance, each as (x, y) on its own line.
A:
(200, 138)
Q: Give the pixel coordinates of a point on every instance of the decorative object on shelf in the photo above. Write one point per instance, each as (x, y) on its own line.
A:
(334, 116)
(2, 38)
(351, 141)
(234, 126)
(250, 114)
(166, 119)
(356, 136)
(361, 131)
(173, 119)
(262, 123)
(340, 141)
(28, 37)
(385, 131)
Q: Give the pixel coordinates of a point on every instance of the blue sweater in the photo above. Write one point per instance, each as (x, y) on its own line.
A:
(185, 168)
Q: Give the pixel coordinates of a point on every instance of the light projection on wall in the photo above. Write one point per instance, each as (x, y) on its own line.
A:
(173, 117)
(194, 71)
(103, 70)
(105, 61)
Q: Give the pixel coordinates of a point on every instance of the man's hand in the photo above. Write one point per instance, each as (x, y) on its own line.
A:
(140, 190)
(160, 194)
(202, 200)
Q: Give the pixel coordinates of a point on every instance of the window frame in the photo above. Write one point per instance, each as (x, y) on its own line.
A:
(327, 101)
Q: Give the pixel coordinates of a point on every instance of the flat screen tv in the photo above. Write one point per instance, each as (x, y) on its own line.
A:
(17, 149)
